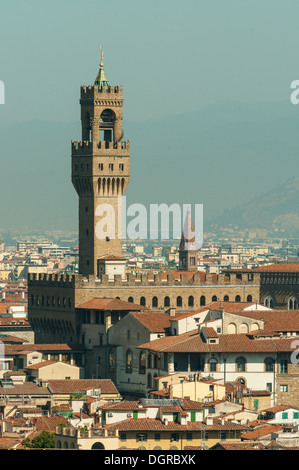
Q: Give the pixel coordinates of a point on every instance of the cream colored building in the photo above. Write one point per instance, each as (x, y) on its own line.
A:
(47, 370)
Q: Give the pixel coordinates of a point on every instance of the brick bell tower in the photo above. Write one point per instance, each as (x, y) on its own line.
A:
(100, 175)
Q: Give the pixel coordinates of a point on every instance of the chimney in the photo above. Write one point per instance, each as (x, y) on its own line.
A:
(171, 312)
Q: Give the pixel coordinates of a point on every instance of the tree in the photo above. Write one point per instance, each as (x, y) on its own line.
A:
(45, 440)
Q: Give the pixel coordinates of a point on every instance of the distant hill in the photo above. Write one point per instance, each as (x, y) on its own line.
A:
(276, 209)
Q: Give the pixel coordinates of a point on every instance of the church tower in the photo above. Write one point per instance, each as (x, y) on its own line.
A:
(188, 251)
(100, 174)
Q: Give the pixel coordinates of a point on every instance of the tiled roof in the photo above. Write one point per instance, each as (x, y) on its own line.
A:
(277, 408)
(12, 339)
(9, 442)
(241, 445)
(125, 405)
(149, 424)
(279, 267)
(155, 322)
(49, 423)
(26, 348)
(110, 304)
(40, 365)
(209, 332)
(81, 385)
(192, 342)
(261, 432)
(275, 320)
(27, 388)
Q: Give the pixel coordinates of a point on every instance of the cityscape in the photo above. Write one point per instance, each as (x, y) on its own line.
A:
(171, 334)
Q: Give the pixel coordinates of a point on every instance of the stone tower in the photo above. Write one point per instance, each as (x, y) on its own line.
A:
(100, 174)
(188, 251)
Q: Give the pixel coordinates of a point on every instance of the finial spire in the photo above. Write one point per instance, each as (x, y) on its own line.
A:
(101, 79)
(102, 57)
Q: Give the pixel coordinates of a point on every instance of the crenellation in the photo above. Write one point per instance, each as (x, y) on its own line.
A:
(131, 280)
(88, 148)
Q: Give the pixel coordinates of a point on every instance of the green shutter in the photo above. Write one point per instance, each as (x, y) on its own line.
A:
(135, 414)
(193, 416)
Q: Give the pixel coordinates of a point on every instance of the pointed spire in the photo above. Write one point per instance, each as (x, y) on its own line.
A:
(188, 242)
(101, 79)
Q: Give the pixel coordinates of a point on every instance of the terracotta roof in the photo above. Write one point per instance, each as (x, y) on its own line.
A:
(279, 267)
(277, 408)
(275, 320)
(155, 322)
(40, 365)
(26, 348)
(148, 424)
(209, 332)
(9, 442)
(110, 304)
(27, 388)
(12, 339)
(125, 405)
(240, 445)
(49, 423)
(193, 342)
(261, 432)
(81, 385)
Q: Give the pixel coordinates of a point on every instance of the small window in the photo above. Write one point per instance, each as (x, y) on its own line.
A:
(121, 167)
(101, 166)
(111, 166)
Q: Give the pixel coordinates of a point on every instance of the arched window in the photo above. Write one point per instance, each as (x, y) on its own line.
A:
(269, 301)
(179, 301)
(202, 301)
(293, 303)
(129, 361)
(155, 302)
(226, 298)
(238, 298)
(240, 364)
(214, 298)
(142, 301)
(249, 298)
(149, 380)
(130, 299)
(149, 361)
(142, 359)
(191, 301)
(98, 445)
(166, 301)
(269, 364)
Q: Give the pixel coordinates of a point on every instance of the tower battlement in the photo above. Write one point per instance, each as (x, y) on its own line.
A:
(94, 92)
(88, 148)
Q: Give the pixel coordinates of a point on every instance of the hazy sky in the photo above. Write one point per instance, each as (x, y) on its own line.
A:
(170, 56)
